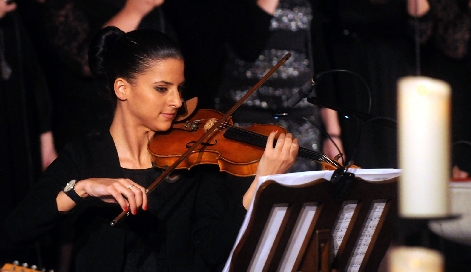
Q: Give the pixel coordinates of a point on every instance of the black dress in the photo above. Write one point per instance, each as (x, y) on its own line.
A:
(25, 113)
(371, 39)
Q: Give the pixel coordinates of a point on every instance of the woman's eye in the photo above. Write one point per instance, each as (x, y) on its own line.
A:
(161, 89)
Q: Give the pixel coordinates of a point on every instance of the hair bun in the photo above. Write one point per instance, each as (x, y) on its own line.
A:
(100, 46)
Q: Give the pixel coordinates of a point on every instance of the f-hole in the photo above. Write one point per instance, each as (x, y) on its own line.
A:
(190, 144)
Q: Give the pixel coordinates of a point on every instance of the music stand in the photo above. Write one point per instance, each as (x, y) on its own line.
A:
(304, 227)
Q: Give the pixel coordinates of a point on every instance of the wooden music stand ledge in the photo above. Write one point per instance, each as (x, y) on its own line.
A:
(308, 228)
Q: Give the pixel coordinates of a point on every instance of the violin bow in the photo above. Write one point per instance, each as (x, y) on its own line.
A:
(218, 124)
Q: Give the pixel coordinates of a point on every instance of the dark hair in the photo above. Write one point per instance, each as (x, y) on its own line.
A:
(114, 53)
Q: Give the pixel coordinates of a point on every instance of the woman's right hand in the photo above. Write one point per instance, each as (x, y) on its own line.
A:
(5, 7)
(417, 8)
(142, 7)
(131, 15)
(129, 195)
(269, 6)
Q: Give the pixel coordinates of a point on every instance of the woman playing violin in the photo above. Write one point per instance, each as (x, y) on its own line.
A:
(189, 222)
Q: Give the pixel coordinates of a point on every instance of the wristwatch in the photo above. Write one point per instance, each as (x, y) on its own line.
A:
(70, 192)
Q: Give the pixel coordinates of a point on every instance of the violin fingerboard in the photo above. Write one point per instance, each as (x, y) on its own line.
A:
(259, 140)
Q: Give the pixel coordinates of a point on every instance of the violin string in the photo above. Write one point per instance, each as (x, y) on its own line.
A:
(261, 140)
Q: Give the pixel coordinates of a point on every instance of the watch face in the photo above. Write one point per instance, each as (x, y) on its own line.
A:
(69, 186)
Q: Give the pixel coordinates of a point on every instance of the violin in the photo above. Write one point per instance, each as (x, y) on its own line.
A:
(235, 150)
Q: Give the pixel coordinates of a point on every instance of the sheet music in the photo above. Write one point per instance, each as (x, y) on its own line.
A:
(272, 228)
(268, 237)
(342, 224)
(366, 234)
(299, 178)
(296, 240)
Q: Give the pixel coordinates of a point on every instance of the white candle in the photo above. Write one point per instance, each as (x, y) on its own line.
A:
(415, 259)
(424, 146)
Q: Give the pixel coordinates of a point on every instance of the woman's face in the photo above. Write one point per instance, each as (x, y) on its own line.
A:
(154, 96)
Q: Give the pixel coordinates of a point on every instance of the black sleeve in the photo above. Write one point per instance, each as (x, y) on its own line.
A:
(248, 28)
(38, 213)
(68, 31)
(320, 57)
(35, 82)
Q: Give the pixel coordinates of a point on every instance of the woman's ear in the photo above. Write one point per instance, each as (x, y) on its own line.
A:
(120, 88)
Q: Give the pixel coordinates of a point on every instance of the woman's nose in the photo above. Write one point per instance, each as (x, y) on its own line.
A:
(176, 100)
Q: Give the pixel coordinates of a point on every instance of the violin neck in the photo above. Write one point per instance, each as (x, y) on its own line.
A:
(260, 140)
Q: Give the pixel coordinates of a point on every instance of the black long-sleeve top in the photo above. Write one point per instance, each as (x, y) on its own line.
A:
(190, 225)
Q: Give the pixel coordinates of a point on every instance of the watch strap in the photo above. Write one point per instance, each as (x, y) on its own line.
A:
(73, 195)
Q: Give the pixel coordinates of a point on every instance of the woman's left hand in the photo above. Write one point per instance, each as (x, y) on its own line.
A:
(278, 159)
(275, 160)
(48, 151)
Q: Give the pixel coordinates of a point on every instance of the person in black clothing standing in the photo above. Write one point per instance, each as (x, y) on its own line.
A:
(444, 30)
(205, 28)
(369, 38)
(25, 120)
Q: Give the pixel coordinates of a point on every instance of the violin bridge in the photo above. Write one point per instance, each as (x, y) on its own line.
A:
(209, 124)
